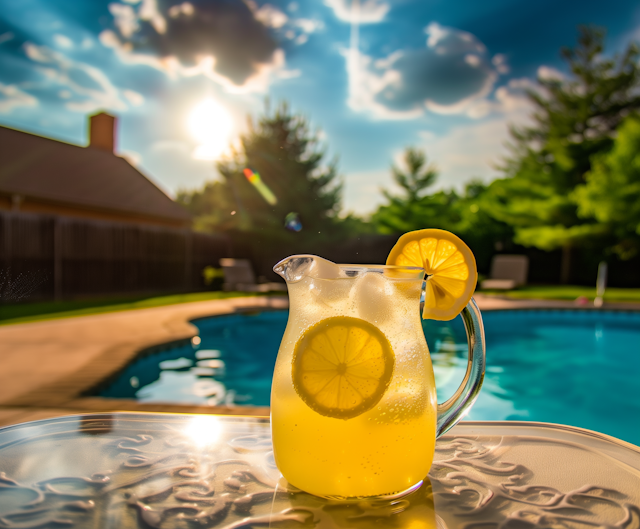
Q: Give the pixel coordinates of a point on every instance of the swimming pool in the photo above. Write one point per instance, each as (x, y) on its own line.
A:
(574, 367)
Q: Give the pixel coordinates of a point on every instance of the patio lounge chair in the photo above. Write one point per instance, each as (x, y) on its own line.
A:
(239, 276)
(507, 272)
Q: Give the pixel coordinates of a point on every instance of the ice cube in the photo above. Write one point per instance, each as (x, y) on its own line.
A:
(324, 269)
(297, 267)
(373, 298)
(331, 293)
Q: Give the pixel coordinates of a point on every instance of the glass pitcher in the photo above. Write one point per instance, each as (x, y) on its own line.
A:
(342, 431)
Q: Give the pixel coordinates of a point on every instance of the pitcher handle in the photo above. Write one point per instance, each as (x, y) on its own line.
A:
(451, 411)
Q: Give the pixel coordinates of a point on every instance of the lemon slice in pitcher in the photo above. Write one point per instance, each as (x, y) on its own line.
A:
(449, 265)
(342, 367)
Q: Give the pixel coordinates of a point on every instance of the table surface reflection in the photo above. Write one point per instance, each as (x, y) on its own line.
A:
(163, 471)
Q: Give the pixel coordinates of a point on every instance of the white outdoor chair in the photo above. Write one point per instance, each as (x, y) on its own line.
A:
(239, 276)
(507, 272)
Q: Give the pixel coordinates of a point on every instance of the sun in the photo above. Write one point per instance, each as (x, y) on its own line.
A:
(210, 124)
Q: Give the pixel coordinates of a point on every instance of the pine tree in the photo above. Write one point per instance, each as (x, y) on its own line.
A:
(286, 155)
(276, 171)
(418, 177)
(415, 208)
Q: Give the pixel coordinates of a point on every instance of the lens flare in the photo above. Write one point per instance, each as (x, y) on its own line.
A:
(292, 222)
(256, 181)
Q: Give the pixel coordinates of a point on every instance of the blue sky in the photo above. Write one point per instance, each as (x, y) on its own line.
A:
(374, 75)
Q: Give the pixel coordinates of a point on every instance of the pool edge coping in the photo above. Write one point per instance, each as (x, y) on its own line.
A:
(69, 391)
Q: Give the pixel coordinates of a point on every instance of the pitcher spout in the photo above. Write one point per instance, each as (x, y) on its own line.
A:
(296, 267)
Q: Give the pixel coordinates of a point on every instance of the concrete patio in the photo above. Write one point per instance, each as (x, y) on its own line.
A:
(46, 366)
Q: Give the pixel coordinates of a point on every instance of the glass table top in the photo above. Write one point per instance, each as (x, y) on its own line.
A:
(127, 470)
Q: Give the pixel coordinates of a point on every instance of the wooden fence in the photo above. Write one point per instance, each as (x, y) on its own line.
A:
(44, 257)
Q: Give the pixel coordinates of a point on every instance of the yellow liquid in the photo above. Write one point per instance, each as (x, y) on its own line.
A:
(385, 450)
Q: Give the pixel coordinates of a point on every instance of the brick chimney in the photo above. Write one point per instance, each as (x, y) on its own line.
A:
(102, 131)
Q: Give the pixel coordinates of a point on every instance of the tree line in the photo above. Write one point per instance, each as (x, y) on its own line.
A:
(571, 179)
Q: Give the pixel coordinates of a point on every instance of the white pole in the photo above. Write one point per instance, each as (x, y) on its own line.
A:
(601, 284)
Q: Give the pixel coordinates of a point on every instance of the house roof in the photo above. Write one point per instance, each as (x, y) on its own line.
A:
(47, 169)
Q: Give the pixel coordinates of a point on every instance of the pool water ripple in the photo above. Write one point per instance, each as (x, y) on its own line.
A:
(574, 367)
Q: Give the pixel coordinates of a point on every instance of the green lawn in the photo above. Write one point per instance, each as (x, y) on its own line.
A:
(568, 292)
(26, 312)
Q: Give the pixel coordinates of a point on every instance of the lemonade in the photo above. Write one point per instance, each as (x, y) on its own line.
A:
(386, 449)
(353, 401)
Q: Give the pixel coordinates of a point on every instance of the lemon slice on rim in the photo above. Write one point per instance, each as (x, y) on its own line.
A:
(449, 265)
(342, 366)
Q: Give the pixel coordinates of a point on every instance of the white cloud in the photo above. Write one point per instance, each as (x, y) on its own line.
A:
(308, 25)
(185, 8)
(462, 153)
(287, 74)
(40, 53)
(62, 41)
(362, 190)
(450, 41)
(172, 145)
(134, 158)
(271, 16)
(87, 106)
(472, 60)
(449, 76)
(298, 30)
(136, 99)
(258, 82)
(12, 97)
(262, 62)
(427, 134)
(511, 99)
(92, 87)
(124, 52)
(547, 73)
(470, 151)
(125, 19)
(359, 12)
(149, 12)
(500, 62)
(366, 82)
(172, 161)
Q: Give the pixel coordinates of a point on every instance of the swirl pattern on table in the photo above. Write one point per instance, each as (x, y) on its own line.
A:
(167, 479)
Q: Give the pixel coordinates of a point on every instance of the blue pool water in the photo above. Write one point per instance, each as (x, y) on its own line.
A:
(580, 368)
